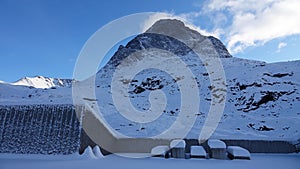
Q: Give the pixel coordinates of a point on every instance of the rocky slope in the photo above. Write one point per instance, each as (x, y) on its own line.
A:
(262, 99)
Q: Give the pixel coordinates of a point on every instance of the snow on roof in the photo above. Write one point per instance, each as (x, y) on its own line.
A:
(177, 144)
(216, 144)
(159, 150)
(198, 151)
(238, 151)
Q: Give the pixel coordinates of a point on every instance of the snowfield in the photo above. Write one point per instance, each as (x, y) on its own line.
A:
(24, 95)
(262, 102)
(258, 161)
(260, 105)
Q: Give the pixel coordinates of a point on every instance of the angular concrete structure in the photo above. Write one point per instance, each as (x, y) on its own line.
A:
(237, 152)
(177, 148)
(198, 152)
(217, 149)
(160, 151)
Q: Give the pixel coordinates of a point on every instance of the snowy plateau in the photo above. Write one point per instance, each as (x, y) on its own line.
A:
(262, 102)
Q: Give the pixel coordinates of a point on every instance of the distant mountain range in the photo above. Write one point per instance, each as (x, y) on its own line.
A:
(42, 82)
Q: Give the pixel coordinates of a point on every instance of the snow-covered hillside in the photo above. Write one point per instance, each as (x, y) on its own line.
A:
(262, 102)
(262, 99)
(36, 90)
(21, 95)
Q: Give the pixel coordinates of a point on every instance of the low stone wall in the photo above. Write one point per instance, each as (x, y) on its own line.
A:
(254, 146)
(264, 146)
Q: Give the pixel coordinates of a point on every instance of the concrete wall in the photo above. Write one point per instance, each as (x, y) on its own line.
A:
(39, 129)
(264, 146)
(97, 133)
(254, 146)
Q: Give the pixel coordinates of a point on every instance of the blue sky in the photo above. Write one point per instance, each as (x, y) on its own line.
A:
(42, 37)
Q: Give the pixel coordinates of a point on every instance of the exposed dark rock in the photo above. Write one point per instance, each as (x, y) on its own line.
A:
(151, 84)
(219, 47)
(245, 86)
(90, 99)
(279, 75)
(251, 125)
(265, 128)
(267, 96)
(138, 90)
(160, 36)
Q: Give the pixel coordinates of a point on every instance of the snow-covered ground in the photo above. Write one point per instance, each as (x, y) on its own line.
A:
(262, 102)
(23, 95)
(258, 161)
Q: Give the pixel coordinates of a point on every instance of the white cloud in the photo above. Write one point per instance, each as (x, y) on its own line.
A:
(255, 22)
(242, 23)
(280, 46)
(155, 17)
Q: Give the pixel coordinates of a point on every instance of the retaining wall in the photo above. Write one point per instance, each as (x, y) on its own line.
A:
(39, 129)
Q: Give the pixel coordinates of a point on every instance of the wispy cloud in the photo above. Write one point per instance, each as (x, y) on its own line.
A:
(242, 23)
(280, 46)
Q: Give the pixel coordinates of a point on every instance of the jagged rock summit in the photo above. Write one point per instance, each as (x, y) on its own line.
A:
(172, 35)
(177, 29)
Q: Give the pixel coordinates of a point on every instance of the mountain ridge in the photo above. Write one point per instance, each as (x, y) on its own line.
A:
(42, 82)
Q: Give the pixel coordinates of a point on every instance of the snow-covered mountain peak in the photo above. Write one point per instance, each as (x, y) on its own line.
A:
(204, 45)
(43, 82)
(175, 37)
(175, 28)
